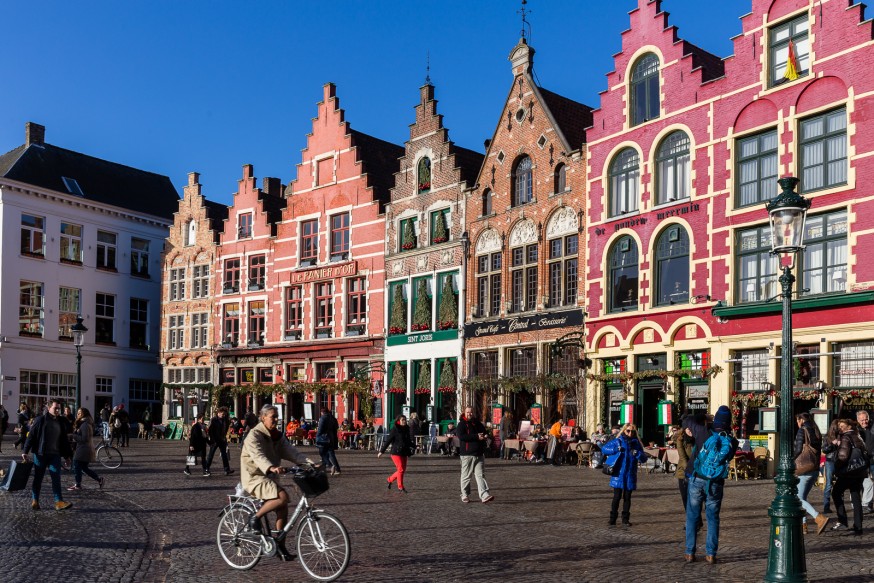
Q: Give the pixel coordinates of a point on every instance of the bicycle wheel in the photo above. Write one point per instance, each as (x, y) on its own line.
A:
(323, 546)
(109, 457)
(241, 549)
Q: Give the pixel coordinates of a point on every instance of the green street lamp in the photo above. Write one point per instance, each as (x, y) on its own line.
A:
(786, 560)
(78, 329)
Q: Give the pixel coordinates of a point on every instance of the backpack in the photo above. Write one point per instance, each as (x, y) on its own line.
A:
(708, 464)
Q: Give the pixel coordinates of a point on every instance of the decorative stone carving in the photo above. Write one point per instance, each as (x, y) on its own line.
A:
(691, 331)
(422, 263)
(446, 257)
(563, 222)
(609, 340)
(397, 268)
(488, 242)
(202, 257)
(523, 233)
(177, 260)
(648, 335)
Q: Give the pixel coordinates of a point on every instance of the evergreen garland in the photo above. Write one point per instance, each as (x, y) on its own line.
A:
(447, 382)
(398, 321)
(447, 313)
(423, 384)
(422, 309)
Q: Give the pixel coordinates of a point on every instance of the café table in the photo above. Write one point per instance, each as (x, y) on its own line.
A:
(534, 446)
(422, 443)
(346, 437)
(311, 435)
(510, 445)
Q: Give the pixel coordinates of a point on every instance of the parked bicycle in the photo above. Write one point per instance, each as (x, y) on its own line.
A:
(321, 540)
(108, 455)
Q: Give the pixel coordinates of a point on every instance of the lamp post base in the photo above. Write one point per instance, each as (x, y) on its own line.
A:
(786, 557)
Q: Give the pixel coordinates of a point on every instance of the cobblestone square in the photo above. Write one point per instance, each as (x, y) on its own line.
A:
(153, 523)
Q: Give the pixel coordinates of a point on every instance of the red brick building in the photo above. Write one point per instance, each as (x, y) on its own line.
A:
(684, 152)
(527, 243)
(424, 254)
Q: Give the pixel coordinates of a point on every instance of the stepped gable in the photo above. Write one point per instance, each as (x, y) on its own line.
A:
(468, 162)
(380, 162)
(44, 165)
(571, 116)
(217, 214)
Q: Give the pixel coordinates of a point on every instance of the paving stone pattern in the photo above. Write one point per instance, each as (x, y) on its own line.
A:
(153, 523)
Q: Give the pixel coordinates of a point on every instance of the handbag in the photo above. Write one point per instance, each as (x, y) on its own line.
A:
(857, 461)
(323, 439)
(807, 461)
(191, 460)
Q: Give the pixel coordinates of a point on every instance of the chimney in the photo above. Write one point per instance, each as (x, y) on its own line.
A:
(272, 186)
(34, 134)
(427, 92)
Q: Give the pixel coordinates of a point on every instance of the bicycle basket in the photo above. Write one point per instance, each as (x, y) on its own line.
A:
(312, 484)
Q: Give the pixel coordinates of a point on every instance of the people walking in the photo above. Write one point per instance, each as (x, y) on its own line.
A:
(401, 448)
(4, 424)
(124, 428)
(828, 468)
(83, 433)
(197, 445)
(472, 439)
(23, 419)
(146, 419)
(706, 483)
(851, 467)
(49, 444)
(505, 430)
(326, 440)
(218, 440)
(808, 434)
(866, 432)
(623, 454)
(685, 442)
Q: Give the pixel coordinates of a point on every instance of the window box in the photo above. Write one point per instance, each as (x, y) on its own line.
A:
(229, 344)
(71, 261)
(323, 333)
(255, 286)
(28, 334)
(230, 290)
(255, 344)
(307, 262)
(339, 257)
(355, 331)
(292, 335)
(33, 255)
(396, 330)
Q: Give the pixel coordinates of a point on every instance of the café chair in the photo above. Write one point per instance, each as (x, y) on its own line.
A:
(584, 454)
(760, 465)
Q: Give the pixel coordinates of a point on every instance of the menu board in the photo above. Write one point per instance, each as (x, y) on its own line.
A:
(535, 415)
(524, 429)
(758, 441)
(496, 415)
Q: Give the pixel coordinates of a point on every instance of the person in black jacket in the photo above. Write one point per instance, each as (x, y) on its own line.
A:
(828, 469)
(401, 448)
(809, 433)
(49, 443)
(23, 418)
(326, 440)
(848, 478)
(218, 439)
(472, 437)
(197, 444)
(866, 432)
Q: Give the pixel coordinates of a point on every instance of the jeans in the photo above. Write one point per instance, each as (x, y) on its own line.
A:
(805, 483)
(80, 467)
(40, 464)
(223, 448)
(400, 462)
(329, 458)
(828, 470)
(709, 494)
(473, 465)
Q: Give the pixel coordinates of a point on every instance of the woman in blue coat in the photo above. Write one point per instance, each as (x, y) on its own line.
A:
(623, 454)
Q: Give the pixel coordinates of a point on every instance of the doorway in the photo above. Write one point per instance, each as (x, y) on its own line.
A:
(648, 428)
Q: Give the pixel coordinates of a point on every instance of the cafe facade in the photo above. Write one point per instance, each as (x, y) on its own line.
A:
(527, 241)
(684, 153)
(424, 255)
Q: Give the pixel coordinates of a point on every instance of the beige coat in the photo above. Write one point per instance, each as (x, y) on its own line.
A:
(260, 453)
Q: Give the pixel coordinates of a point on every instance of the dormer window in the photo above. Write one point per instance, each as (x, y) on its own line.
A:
(644, 89)
(72, 186)
(789, 48)
(423, 178)
(244, 230)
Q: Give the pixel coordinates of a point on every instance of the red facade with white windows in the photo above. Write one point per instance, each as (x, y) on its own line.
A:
(683, 154)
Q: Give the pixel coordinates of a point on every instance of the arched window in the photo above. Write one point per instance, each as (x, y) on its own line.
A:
(672, 267)
(623, 273)
(487, 202)
(672, 168)
(522, 183)
(560, 178)
(624, 178)
(645, 89)
(424, 175)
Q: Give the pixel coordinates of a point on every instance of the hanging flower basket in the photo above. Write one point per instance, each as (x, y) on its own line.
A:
(422, 391)
(447, 325)
(445, 389)
(396, 330)
(396, 391)
(420, 327)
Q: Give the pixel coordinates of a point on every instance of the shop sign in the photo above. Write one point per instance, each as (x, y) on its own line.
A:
(419, 337)
(330, 272)
(524, 323)
(265, 375)
(247, 375)
(227, 376)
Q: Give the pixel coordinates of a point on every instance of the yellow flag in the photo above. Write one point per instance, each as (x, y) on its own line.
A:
(791, 64)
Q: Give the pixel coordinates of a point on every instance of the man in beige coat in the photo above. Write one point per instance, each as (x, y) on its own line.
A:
(260, 467)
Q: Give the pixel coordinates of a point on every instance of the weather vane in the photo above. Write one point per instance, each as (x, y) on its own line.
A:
(428, 68)
(525, 22)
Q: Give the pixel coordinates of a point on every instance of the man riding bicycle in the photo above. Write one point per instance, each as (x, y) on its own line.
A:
(263, 451)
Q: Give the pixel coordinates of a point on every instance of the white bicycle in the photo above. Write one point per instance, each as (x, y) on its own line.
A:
(321, 540)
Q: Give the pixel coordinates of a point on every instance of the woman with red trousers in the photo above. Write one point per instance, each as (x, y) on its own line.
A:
(401, 447)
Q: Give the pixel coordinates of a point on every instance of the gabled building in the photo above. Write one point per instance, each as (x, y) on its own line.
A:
(189, 309)
(424, 252)
(82, 237)
(685, 151)
(324, 278)
(527, 243)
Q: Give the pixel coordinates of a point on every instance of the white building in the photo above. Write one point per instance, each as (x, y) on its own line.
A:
(80, 236)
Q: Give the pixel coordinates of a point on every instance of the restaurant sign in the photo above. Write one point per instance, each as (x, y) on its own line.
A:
(524, 323)
(330, 272)
(419, 337)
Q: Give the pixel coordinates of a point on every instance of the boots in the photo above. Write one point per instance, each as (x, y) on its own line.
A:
(625, 517)
(613, 517)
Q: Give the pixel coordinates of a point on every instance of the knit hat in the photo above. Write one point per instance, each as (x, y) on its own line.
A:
(722, 419)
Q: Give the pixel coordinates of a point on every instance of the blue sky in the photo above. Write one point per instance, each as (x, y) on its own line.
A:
(180, 86)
